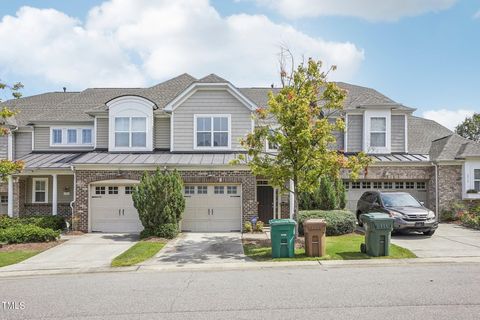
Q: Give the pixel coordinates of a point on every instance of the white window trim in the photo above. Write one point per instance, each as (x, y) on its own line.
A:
(267, 148)
(368, 115)
(79, 142)
(229, 119)
(468, 178)
(34, 190)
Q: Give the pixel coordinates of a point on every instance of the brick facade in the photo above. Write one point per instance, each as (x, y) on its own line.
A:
(450, 186)
(85, 177)
(45, 209)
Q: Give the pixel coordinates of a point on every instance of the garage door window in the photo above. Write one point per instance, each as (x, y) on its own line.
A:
(99, 190)
(202, 190)
(355, 185)
(421, 185)
(377, 185)
(219, 190)
(366, 184)
(112, 190)
(232, 190)
(399, 185)
(346, 184)
(387, 185)
(189, 190)
(129, 189)
(409, 185)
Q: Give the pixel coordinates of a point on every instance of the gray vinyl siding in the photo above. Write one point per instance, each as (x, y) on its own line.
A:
(42, 141)
(3, 146)
(161, 138)
(398, 133)
(102, 133)
(22, 144)
(64, 184)
(210, 102)
(355, 133)
(339, 136)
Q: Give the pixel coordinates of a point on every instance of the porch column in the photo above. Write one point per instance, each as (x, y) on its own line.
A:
(54, 194)
(10, 196)
(292, 200)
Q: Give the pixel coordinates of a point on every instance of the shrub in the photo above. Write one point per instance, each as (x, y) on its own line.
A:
(167, 231)
(51, 222)
(259, 226)
(330, 195)
(455, 210)
(338, 221)
(471, 221)
(27, 233)
(248, 226)
(159, 201)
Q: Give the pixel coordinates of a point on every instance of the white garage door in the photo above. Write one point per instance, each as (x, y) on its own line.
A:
(112, 210)
(355, 189)
(212, 208)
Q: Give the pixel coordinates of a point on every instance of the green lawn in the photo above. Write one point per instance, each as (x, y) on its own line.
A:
(11, 257)
(141, 251)
(346, 247)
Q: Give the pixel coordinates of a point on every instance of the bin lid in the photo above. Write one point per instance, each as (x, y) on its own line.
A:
(376, 216)
(314, 221)
(281, 222)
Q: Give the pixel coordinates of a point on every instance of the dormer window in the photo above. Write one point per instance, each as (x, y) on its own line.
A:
(131, 124)
(212, 131)
(378, 132)
(131, 132)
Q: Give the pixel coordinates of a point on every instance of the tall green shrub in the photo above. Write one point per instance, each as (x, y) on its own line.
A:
(329, 196)
(341, 194)
(159, 200)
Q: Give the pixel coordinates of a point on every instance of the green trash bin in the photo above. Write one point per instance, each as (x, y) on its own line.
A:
(378, 228)
(282, 232)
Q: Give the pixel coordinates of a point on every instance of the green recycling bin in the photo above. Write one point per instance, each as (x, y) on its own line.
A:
(378, 228)
(282, 232)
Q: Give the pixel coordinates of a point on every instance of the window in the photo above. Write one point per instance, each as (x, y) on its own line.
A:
(86, 136)
(231, 189)
(409, 185)
(112, 190)
(476, 179)
(355, 185)
(366, 184)
(57, 136)
(388, 185)
(131, 132)
(129, 189)
(346, 184)
(377, 185)
(421, 185)
(378, 132)
(189, 189)
(3, 198)
(71, 136)
(271, 146)
(399, 185)
(219, 190)
(212, 131)
(40, 190)
(99, 190)
(202, 190)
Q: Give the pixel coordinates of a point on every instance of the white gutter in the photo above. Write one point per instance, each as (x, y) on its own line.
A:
(10, 178)
(74, 192)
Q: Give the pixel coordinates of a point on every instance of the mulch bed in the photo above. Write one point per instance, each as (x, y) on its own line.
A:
(73, 233)
(34, 246)
(155, 239)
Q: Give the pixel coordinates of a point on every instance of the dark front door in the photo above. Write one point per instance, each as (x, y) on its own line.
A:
(265, 203)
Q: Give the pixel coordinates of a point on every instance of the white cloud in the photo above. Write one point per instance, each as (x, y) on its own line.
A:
(131, 42)
(448, 118)
(372, 10)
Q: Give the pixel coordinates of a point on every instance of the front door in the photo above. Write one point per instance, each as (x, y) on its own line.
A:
(265, 203)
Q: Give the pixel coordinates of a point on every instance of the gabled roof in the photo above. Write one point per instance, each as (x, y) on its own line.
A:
(453, 147)
(212, 78)
(421, 133)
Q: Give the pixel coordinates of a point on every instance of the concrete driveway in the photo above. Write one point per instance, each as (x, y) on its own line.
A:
(92, 250)
(202, 248)
(449, 240)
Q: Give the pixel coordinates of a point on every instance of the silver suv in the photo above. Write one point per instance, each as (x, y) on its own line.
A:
(409, 213)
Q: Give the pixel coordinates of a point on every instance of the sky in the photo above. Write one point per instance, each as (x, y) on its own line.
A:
(423, 54)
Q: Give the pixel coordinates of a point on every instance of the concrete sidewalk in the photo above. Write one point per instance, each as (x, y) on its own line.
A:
(85, 252)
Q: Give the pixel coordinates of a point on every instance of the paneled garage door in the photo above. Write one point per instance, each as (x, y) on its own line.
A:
(355, 189)
(212, 208)
(112, 210)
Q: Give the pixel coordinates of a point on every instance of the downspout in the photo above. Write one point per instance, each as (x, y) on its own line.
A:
(437, 201)
(74, 192)
(10, 177)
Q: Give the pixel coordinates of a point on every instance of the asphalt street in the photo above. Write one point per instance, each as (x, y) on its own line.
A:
(440, 291)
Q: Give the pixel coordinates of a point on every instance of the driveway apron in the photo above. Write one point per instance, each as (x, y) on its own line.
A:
(92, 250)
(450, 240)
(202, 248)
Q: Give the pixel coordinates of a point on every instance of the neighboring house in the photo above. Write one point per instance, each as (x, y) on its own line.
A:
(85, 150)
